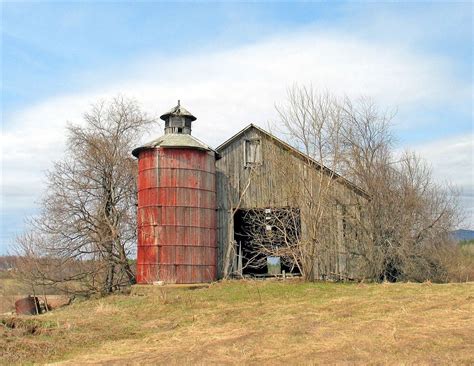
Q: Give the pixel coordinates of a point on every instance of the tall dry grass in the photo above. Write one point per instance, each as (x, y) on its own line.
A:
(264, 322)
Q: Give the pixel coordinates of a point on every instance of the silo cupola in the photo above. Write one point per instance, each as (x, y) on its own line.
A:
(178, 120)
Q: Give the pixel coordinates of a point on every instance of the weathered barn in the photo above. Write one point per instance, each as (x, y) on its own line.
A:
(257, 171)
(252, 177)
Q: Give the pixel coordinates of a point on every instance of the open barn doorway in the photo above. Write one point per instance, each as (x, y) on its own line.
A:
(264, 241)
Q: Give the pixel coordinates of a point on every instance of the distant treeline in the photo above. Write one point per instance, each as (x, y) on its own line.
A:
(8, 262)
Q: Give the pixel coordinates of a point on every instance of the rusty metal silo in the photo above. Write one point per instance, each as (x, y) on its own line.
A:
(176, 219)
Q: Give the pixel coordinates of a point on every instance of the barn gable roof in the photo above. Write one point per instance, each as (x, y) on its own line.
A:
(300, 155)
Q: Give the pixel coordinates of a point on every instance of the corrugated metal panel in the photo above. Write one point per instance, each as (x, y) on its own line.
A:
(177, 240)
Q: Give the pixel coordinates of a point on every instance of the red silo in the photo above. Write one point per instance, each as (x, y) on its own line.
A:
(176, 219)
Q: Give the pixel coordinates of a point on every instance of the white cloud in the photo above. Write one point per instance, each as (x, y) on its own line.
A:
(452, 161)
(226, 90)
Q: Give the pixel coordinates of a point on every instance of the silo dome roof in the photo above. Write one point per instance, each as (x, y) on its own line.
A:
(174, 141)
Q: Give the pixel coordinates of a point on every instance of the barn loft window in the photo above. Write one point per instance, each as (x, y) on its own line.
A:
(252, 152)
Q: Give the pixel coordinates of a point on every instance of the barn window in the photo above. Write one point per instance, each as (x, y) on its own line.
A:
(252, 152)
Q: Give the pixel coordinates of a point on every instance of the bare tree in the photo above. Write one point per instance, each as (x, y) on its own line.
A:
(274, 232)
(395, 230)
(86, 229)
(230, 250)
(407, 221)
(312, 123)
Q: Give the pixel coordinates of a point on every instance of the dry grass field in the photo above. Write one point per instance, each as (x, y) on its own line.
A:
(10, 289)
(254, 322)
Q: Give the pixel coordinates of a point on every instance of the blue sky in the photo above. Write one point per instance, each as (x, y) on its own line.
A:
(230, 63)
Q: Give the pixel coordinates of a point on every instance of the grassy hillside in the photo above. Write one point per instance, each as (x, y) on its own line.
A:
(255, 322)
(9, 289)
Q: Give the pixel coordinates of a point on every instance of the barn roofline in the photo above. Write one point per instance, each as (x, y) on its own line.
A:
(306, 158)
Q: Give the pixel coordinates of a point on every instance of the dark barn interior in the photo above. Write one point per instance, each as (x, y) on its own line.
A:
(250, 227)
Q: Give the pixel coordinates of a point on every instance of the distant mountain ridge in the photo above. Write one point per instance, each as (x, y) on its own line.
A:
(463, 234)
